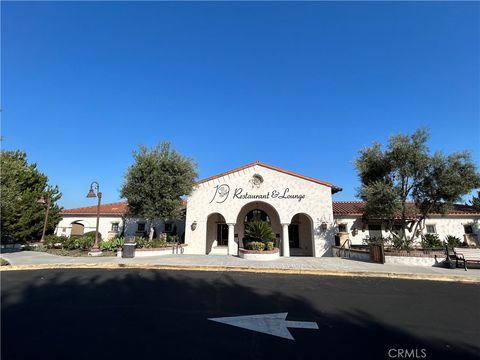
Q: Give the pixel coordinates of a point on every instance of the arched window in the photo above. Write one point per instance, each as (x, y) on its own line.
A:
(257, 214)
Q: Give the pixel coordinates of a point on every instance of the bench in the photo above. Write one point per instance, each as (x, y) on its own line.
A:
(466, 255)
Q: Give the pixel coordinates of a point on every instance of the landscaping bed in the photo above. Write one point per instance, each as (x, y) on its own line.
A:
(81, 246)
(259, 254)
(416, 257)
(155, 251)
(76, 252)
(4, 262)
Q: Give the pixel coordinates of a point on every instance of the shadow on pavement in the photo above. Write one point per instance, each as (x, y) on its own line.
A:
(140, 314)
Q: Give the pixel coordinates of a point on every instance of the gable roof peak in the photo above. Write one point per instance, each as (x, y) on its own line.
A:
(271, 167)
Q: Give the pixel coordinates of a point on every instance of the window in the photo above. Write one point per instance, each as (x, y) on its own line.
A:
(168, 228)
(141, 227)
(222, 234)
(375, 231)
(257, 214)
(431, 229)
(468, 229)
(342, 227)
(115, 227)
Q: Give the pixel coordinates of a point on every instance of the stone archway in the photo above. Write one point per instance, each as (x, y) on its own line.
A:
(216, 234)
(300, 235)
(264, 209)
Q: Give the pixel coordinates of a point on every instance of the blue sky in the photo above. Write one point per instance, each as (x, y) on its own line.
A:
(302, 86)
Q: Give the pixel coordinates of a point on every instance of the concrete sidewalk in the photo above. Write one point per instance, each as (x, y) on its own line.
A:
(293, 265)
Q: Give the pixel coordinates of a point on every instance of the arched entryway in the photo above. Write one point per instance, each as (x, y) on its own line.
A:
(217, 234)
(258, 210)
(77, 229)
(300, 235)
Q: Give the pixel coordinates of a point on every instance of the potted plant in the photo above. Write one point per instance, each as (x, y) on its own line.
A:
(259, 242)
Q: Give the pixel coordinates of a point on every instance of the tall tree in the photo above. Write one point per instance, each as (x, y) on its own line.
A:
(476, 200)
(156, 182)
(21, 186)
(406, 173)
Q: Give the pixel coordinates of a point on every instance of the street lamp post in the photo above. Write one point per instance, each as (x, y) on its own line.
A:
(48, 203)
(95, 250)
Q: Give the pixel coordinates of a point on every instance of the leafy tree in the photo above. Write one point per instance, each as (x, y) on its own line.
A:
(155, 184)
(405, 172)
(476, 200)
(22, 185)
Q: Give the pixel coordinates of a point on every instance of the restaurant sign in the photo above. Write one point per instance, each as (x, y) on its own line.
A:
(223, 193)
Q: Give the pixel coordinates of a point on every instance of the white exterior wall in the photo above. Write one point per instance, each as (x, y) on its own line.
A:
(453, 225)
(444, 225)
(64, 227)
(204, 200)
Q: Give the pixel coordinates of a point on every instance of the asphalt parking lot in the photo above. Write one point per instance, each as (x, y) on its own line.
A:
(140, 314)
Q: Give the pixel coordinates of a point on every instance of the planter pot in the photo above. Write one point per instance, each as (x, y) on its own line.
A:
(169, 250)
(265, 255)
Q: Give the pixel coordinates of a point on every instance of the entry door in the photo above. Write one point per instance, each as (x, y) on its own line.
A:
(293, 236)
(222, 234)
(77, 229)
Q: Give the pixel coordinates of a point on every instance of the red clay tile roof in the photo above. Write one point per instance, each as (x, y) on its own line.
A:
(116, 209)
(271, 167)
(356, 208)
(348, 207)
(340, 208)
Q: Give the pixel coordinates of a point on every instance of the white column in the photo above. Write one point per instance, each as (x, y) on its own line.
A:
(232, 245)
(285, 241)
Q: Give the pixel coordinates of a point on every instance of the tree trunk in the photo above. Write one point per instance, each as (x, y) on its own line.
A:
(152, 230)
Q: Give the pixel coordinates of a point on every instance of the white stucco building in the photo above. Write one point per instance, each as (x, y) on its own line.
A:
(461, 221)
(113, 222)
(300, 210)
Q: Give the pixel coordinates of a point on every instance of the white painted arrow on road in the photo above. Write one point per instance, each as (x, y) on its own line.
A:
(272, 324)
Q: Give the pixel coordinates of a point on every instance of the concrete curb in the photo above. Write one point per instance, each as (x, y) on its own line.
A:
(319, 272)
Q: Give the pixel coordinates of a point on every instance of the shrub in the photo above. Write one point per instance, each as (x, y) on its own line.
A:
(63, 252)
(160, 242)
(259, 231)
(69, 243)
(39, 247)
(430, 241)
(172, 238)
(112, 245)
(51, 241)
(92, 235)
(255, 245)
(141, 241)
(453, 241)
(397, 243)
(4, 262)
(269, 245)
(83, 242)
(374, 240)
(145, 243)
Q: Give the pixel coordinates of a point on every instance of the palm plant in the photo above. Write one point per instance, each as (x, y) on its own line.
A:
(259, 230)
